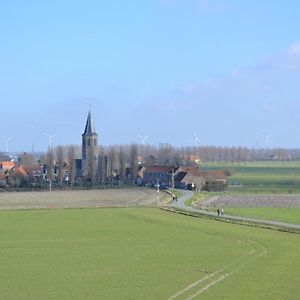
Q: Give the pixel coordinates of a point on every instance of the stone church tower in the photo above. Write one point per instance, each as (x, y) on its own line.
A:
(89, 150)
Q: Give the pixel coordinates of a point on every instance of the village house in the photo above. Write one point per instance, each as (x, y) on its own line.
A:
(182, 177)
(6, 166)
(161, 175)
(189, 178)
(3, 178)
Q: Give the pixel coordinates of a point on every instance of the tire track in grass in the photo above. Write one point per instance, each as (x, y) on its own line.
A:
(209, 285)
(222, 277)
(192, 285)
(204, 283)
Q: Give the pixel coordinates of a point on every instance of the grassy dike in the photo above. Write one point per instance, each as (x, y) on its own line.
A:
(289, 215)
(134, 253)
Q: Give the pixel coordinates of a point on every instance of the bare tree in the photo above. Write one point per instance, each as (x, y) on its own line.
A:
(102, 165)
(122, 166)
(71, 150)
(27, 160)
(133, 162)
(50, 166)
(111, 163)
(166, 154)
(60, 163)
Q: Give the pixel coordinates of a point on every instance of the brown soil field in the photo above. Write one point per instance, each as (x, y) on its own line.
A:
(80, 198)
(288, 201)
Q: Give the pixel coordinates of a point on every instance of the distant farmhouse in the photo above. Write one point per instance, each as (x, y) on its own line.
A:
(182, 177)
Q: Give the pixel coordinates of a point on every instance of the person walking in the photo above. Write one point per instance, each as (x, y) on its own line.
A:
(218, 211)
(222, 211)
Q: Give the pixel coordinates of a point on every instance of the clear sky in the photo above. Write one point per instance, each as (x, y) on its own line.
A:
(227, 70)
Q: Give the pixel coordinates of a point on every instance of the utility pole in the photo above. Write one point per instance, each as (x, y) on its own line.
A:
(50, 137)
(157, 191)
(173, 182)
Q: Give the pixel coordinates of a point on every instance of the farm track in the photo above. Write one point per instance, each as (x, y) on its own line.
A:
(256, 250)
(193, 290)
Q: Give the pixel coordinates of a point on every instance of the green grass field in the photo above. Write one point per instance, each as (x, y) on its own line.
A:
(142, 253)
(289, 215)
(261, 177)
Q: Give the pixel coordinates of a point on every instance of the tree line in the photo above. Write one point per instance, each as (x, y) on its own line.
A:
(119, 164)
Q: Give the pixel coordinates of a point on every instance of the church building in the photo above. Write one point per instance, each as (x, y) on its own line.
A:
(89, 150)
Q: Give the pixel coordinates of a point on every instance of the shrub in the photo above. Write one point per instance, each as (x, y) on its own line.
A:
(214, 186)
(229, 171)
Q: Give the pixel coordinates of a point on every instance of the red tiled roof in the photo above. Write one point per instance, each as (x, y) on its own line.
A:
(7, 164)
(191, 170)
(213, 174)
(19, 171)
(189, 179)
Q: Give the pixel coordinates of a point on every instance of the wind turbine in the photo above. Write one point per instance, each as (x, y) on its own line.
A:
(195, 139)
(267, 138)
(8, 138)
(143, 138)
(50, 138)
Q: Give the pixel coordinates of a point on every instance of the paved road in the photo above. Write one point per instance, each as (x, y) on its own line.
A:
(188, 194)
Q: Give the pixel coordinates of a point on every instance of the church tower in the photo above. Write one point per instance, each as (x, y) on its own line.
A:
(89, 150)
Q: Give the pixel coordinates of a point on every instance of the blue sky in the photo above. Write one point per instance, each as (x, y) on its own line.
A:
(227, 70)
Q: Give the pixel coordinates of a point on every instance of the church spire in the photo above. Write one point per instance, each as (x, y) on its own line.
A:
(89, 127)
(89, 149)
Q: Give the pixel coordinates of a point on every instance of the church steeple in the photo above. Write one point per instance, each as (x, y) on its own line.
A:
(89, 127)
(89, 149)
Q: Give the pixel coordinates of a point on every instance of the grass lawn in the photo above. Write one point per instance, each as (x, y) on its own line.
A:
(290, 215)
(142, 253)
